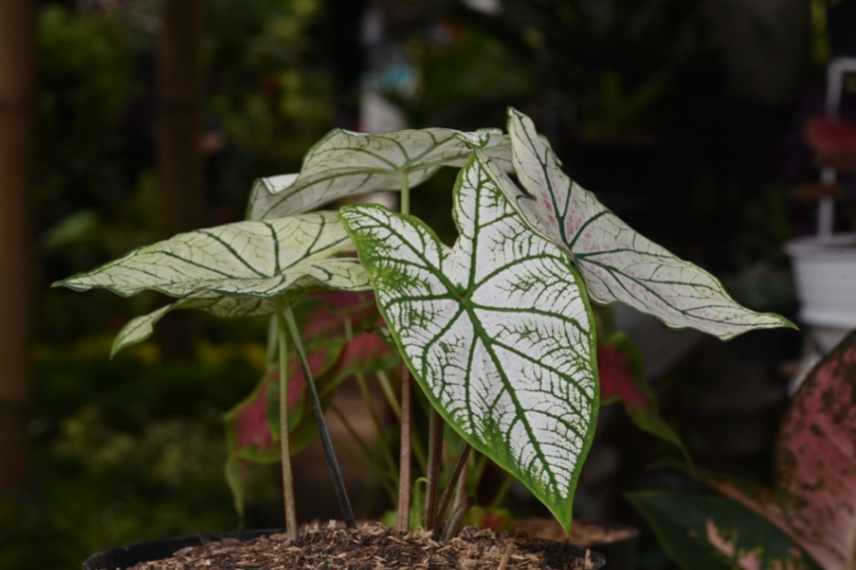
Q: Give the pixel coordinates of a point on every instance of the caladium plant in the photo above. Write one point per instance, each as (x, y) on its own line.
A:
(241, 269)
(345, 163)
(235, 270)
(497, 329)
(500, 343)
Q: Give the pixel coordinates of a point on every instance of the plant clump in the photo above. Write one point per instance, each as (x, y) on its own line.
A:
(372, 546)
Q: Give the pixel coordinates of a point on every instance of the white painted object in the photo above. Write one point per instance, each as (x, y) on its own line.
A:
(825, 275)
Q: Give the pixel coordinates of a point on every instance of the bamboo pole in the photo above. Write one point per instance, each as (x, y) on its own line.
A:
(17, 92)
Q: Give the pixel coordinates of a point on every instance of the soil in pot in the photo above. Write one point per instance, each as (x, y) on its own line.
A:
(373, 546)
(616, 542)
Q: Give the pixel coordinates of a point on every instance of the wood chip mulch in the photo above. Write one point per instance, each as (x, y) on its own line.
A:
(373, 546)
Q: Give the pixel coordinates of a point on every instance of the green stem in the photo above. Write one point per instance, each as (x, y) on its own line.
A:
(457, 473)
(318, 412)
(392, 401)
(404, 467)
(365, 394)
(389, 393)
(435, 460)
(459, 511)
(405, 455)
(365, 450)
(285, 448)
(502, 491)
(478, 472)
(405, 194)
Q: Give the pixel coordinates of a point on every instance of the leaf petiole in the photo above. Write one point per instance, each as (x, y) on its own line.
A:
(318, 412)
(285, 447)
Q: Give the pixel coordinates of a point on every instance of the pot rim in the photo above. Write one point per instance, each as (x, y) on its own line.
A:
(840, 245)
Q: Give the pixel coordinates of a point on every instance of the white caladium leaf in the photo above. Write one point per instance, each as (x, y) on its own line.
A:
(231, 270)
(258, 259)
(497, 331)
(141, 328)
(617, 263)
(345, 163)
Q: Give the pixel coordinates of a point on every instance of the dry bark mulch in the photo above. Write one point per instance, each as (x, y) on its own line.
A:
(585, 534)
(374, 546)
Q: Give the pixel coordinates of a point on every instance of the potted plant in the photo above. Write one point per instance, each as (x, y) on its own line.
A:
(824, 265)
(497, 330)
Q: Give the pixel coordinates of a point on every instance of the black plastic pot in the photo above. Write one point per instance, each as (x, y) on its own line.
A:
(126, 556)
(619, 554)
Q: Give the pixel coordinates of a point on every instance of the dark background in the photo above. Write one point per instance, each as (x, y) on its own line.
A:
(134, 120)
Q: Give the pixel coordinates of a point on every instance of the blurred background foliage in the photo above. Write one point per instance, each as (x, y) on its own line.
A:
(643, 100)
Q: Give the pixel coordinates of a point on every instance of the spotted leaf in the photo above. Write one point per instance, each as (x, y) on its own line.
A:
(617, 263)
(706, 532)
(814, 499)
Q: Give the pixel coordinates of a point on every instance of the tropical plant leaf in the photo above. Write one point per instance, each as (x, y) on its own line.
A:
(814, 499)
(706, 532)
(617, 263)
(621, 379)
(252, 426)
(232, 270)
(257, 259)
(498, 337)
(345, 163)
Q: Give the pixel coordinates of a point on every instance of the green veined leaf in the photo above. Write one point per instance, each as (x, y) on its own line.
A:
(141, 328)
(706, 532)
(231, 270)
(498, 337)
(617, 263)
(258, 259)
(345, 163)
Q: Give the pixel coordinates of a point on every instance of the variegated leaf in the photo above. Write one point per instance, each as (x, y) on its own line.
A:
(141, 328)
(706, 532)
(814, 500)
(232, 270)
(498, 336)
(345, 163)
(617, 263)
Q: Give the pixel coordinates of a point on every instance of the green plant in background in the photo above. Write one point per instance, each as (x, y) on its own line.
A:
(497, 330)
(807, 518)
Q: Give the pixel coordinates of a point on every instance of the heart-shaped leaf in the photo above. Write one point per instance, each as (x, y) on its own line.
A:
(233, 270)
(498, 336)
(617, 263)
(345, 163)
(706, 532)
(814, 500)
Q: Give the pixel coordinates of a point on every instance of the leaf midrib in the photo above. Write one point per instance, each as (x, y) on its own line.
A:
(479, 331)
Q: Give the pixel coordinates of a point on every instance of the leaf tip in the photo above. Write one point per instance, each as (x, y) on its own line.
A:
(788, 324)
(117, 346)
